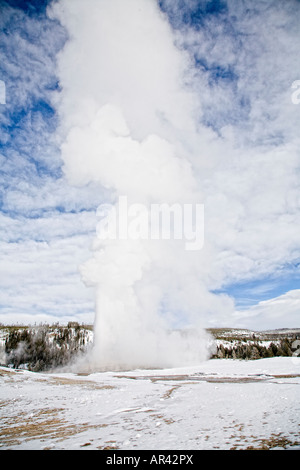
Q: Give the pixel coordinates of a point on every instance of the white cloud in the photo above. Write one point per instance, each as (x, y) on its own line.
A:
(39, 278)
(251, 186)
(279, 312)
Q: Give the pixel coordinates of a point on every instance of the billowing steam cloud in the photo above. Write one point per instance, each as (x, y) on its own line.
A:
(127, 123)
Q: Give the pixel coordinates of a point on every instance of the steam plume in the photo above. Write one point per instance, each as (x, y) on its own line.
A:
(126, 123)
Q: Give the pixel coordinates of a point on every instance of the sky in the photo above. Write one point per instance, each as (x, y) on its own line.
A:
(162, 101)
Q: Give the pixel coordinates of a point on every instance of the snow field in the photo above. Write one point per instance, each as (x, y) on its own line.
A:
(220, 404)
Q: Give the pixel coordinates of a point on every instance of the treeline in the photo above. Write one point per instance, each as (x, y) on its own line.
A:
(44, 347)
(48, 347)
(255, 350)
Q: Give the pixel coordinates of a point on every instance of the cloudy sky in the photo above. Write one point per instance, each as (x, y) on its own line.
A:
(161, 101)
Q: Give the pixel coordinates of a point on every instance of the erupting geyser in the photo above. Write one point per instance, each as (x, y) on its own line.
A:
(127, 124)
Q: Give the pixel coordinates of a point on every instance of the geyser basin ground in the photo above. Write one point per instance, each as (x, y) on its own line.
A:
(220, 404)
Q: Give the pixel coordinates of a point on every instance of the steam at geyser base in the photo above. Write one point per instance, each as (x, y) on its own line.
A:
(127, 124)
(136, 281)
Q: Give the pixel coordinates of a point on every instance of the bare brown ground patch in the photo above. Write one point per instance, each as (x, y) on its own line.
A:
(169, 392)
(43, 424)
(77, 382)
(210, 378)
(274, 441)
(189, 379)
(6, 372)
(252, 442)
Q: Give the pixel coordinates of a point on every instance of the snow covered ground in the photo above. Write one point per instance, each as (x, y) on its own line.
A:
(220, 404)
